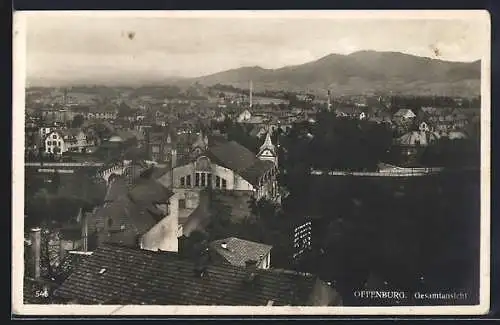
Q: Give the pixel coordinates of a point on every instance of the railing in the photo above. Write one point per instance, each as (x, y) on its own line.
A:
(391, 173)
(397, 172)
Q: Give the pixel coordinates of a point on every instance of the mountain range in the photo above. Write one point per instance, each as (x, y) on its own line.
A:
(360, 73)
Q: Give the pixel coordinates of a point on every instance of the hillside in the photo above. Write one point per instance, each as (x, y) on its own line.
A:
(361, 72)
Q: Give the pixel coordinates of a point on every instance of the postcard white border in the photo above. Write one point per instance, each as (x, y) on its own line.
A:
(19, 64)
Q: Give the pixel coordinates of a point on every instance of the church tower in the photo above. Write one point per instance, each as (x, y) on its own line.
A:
(267, 150)
(200, 145)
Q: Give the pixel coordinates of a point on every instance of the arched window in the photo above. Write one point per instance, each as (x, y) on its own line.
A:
(203, 164)
(203, 173)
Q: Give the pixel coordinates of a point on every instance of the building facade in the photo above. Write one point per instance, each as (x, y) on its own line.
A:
(227, 167)
(60, 141)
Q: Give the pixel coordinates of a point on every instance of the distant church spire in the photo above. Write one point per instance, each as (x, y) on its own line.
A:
(200, 144)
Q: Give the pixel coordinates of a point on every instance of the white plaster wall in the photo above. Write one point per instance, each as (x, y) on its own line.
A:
(163, 235)
(225, 173)
(241, 184)
(181, 171)
(191, 195)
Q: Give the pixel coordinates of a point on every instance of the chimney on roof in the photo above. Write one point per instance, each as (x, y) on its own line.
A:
(251, 264)
(36, 239)
(202, 263)
(85, 232)
(270, 302)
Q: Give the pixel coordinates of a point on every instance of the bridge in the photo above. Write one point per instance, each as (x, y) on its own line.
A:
(61, 167)
(116, 169)
(63, 164)
(120, 168)
(103, 170)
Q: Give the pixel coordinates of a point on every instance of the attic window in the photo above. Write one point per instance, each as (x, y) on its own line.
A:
(102, 271)
(224, 245)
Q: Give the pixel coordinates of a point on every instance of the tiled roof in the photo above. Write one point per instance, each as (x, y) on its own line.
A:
(68, 264)
(238, 251)
(122, 212)
(404, 111)
(149, 190)
(115, 274)
(132, 210)
(117, 189)
(239, 159)
(254, 172)
(158, 172)
(232, 155)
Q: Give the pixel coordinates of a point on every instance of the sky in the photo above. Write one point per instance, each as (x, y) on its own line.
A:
(66, 47)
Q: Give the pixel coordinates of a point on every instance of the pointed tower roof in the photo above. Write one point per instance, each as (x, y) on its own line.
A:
(268, 144)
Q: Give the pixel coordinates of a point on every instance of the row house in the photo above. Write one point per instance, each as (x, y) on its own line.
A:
(58, 114)
(351, 112)
(64, 140)
(404, 115)
(105, 114)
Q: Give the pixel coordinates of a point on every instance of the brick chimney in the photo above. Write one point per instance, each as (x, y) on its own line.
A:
(36, 240)
(85, 232)
(201, 264)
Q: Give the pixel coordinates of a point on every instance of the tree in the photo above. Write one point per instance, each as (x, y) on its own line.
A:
(77, 121)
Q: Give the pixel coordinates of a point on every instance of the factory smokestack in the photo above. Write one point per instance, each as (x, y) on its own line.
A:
(329, 107)
(251, 93)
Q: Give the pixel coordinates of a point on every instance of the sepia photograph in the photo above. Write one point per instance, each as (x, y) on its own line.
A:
(251, 162)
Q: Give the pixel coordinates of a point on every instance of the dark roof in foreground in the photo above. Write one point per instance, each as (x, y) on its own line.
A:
(120, 275)
(238, 251)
